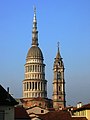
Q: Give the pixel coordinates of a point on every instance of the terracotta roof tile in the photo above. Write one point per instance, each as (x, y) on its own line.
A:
(20, 113)
(56, 115)
(84, 107)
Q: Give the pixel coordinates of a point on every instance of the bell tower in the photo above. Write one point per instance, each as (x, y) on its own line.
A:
(58, 82)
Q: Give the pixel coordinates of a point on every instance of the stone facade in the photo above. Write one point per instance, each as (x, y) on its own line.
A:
(58, 83)
(34, 84)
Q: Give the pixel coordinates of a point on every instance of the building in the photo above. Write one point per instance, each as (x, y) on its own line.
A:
(82, 111)
(21, 114)
(38, 113)
(58, 82)
(35, 84)
(7, 103)
(37, 110)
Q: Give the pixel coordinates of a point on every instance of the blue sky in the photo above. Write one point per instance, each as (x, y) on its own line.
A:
(66, 21)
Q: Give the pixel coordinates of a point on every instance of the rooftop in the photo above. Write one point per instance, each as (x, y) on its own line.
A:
(6, 98)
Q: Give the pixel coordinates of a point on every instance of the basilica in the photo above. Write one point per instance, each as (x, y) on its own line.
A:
(35, 83)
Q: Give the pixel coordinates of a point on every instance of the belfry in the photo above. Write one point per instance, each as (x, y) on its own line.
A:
(58, 82)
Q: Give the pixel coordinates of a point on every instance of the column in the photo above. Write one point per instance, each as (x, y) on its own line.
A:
(37, 85)
(28, 85)
(32, 85)
(41, 86)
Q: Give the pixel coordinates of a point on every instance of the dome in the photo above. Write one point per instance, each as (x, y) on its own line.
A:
(35, 52)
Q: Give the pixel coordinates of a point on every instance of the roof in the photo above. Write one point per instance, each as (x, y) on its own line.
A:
(56, 115)
(84, 107)
(70, 108)
(35, 52)
(51, 109)
(20, 113)
(35, 99)
(35, 107)
(6, 98)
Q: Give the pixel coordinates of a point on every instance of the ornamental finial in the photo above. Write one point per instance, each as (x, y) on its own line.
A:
(34, 10)
(58, 45)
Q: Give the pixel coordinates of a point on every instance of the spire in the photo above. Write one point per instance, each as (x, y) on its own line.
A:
(58, 53)
(34, 19)
(34, 30)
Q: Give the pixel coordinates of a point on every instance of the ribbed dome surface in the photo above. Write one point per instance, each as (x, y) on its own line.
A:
(35, 52)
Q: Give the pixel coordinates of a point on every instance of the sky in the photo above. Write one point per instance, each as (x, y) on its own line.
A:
(64, 21)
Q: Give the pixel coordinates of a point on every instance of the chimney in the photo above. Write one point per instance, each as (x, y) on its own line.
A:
(8, 89)
(79, 104)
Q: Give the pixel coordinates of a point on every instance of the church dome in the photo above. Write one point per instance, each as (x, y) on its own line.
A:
(35, 52)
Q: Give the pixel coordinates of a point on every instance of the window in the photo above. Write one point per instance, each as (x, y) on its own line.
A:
(39, 85)
(40, 68)
(40, 104)
(30, 68)
(2, 113)
(27, 85)
(35, 85)
(42, 111)
(59, 88)
(35, 68)
(59, 97)
(32, 85)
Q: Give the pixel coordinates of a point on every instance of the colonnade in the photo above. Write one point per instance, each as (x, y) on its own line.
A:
(34, 68)
(34, 76)
(37, 86)
(35, 94)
